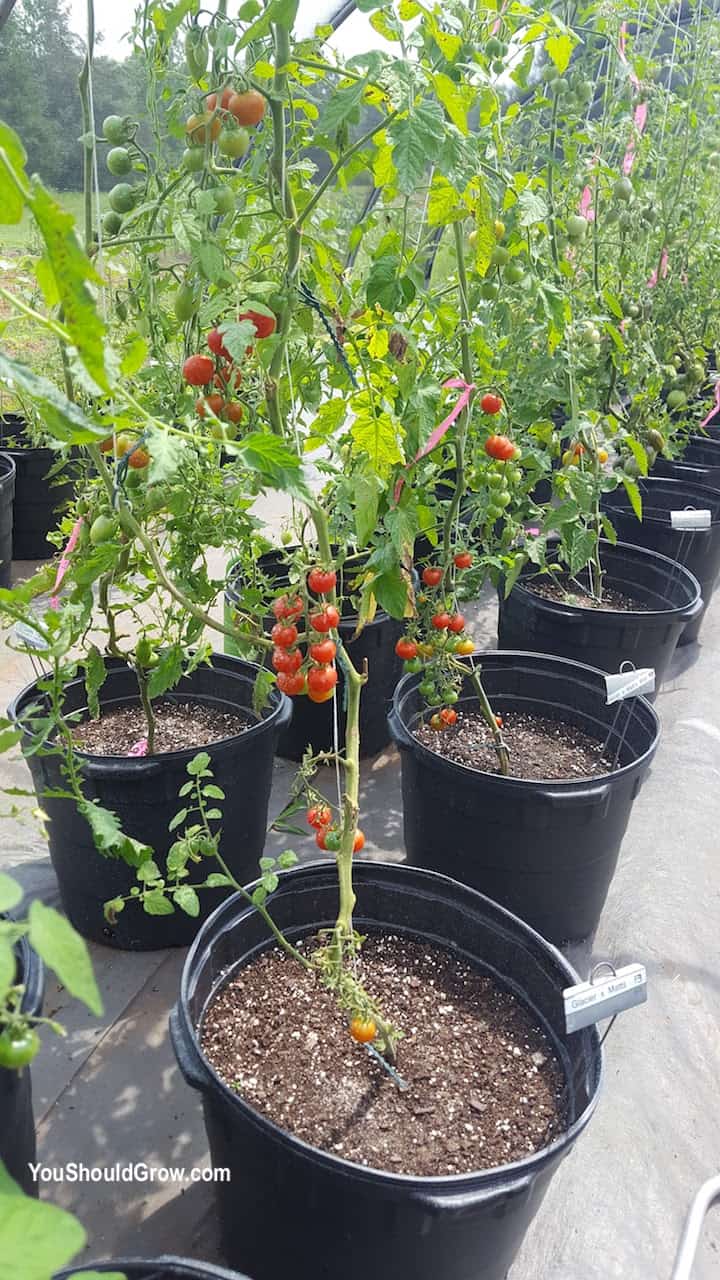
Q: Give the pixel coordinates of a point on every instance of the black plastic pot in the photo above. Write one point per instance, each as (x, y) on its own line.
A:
(699, 463)
(143, 792)
(312, 722)
(545, 850)
(363, 1222)
(697, 549)
(7, 493)
(17, 1123)
(38, 497)
(164, 1268)
(606, 638)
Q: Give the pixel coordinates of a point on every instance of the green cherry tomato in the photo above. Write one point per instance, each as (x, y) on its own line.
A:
(622, 189)
(676, 400)
(111, 223)
(495, 480)
(122, 197)
(18, 1046)
(413, 666)
(101, 530)
(489, 290)
(116, 129)
(224, 200)
(427, 688)
(514, 272)
(185, 303)
(233, 143)
(499, 256)
(119, 161)
(193, 159)
(332, 841)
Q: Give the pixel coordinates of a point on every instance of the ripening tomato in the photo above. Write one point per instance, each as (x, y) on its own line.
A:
(198, 370)
(359, 841)
(215, 343)
(321, 679)
(441, 621)
(214, 403)
(406, 649)
(363, 1030)
(106, 446)
(499, 721)
(139, 459)
(283, 607)
(234, 411)
(291, 683)
(456, 623)
(491, 403)
(326, 620)
(198, 127)
(248, 108)
(323, 651)
(211, 100)
(463, 560)
(602, 455)
(319, 816)
(432, 576)
(437, 722)
(288, 660)
(465, 646)
(500, 448)
(320, 581)
(284, 635)
(448, 715)
(264, 324)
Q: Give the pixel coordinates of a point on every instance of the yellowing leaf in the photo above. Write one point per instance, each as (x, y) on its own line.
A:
(384, 169)
(559, 47)
(377, 436)
(452, 99)
(444, 204)
(379, 344)
(485, 230)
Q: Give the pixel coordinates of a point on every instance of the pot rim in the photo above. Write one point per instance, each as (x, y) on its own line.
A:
(605, 615)
(282, 710)
(186, 1267)
(660, 481)
(555, 784)
(8, 461)
(506, 1173)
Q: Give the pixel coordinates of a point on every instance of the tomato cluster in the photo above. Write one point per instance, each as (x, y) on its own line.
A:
(315, 675)
(327, 835)
(119, 446)
(436, 659)
(217, 371)
(225, 122)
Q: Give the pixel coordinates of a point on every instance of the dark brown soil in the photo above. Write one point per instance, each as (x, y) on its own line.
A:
(563, 591)
(540, 749)
(485, 1087)
(179, 725)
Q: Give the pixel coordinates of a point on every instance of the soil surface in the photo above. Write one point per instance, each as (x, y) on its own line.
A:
(540, 749)
(178, 726)
(485, 1086)
(563, 591)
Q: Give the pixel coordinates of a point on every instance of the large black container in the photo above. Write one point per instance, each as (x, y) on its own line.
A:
(165, 1268)
(143, 792)
(38, 496)
(312, 722)
(17, 1123)
(7, 493)
(606, 638)
(545, 850)
(699, 463)
(697, 549)
(363, 1222)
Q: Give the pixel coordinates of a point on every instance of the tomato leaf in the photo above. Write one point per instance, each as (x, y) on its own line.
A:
(37, 1237)
(10, 892)
(109, 837)
(638, 453)
(375, 434)
(65, 952)
(484, 229)
(12, 166)
(634, 495)
(95, 673)
(417, 142)
(60, 417)
(454, 100)
(167, 672)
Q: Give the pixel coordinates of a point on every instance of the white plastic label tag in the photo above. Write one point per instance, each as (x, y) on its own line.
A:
(628, 684)
(590, 1002)
(691, 519)
(29, 637)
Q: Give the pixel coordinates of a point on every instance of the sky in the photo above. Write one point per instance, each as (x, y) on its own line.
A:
(115, 17)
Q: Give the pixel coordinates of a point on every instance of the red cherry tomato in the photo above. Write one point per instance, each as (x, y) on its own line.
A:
(320, 581)
(320, 695)
(359, 841)
(248, 107)
(214, 402)
(288, 660)
(234, 411)
(499, 721)
(406, 649)
(323, 651)
(491, 403)
(139, 459)
(448, 715)
(463, 560)
(326, 620)
(264, 324)
(500, 448)
(456, 623)
(291, 683)
(431, 576)
(284, 635)
(319, 816)
(283, 607)
(215, 343)
(321, 679)
(441, 621)
(198, 370)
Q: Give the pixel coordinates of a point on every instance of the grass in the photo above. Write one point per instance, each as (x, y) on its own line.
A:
(21, 235)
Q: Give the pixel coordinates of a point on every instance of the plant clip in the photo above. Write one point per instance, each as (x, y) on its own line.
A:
(402, 1085)
(308, 297)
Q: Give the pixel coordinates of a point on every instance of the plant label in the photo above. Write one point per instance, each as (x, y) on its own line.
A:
(628, 684)
(691, 519)
(29, 637)
(590, 1002)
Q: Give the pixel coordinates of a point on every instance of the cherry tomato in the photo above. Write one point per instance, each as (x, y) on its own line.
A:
(406, 649)
(283, 607)
(441, 621)
(463, 560)
(234, 411)
(102, 529)
(603, 455)
(491, 403)
(18, 1046)
(465, 646)
(413, 666)
(363, 1030)
(499, 721)
(214, 403)
(448, 715)
(288, 660)
(226, 377)
(233, 143)
(264, 324)
(198, 127)
(359, 841)
(291, 683)
(211, 100)
(500, 448)
(437, 722)
(456, 623)
(139, 459)
(316, 695)
(432, 576)
(198, 370)
(284, 635)
(320, 581)
(319, 816)
(215, 343)
(247, 108)
(321, 679)
(106, 446)
(323, 651)
(326, 620)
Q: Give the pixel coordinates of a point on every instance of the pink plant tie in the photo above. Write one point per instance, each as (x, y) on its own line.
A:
(436, 436)
(64, 564)
(586, 205)
(140, 748)
(664, 263)
(716, 409)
